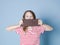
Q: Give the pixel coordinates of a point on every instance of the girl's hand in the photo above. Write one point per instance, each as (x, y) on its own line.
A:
(40, 22)
(20, 22)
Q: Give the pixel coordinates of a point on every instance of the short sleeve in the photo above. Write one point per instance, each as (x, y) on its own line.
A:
(41, 29)
(18, 30)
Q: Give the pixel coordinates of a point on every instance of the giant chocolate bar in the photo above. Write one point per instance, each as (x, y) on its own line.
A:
(30, 22)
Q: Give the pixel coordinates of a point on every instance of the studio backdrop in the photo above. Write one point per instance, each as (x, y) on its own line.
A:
(11, 11)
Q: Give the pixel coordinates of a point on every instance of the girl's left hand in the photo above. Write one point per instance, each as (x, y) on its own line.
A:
(40, 22)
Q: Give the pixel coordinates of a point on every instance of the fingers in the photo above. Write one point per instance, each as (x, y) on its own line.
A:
(20, 22)
(39, 22)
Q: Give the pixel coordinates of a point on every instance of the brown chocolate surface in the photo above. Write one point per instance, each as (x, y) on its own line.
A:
(30, 22)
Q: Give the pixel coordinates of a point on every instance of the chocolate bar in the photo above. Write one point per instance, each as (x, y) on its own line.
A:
(30, 22)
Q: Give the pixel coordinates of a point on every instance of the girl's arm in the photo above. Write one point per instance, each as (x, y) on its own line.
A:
(47, 27)
(10, 28)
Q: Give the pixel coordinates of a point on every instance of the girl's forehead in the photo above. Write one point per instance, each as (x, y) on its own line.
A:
(28, 14)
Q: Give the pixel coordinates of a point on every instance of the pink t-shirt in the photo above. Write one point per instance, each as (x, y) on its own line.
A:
(32, 37)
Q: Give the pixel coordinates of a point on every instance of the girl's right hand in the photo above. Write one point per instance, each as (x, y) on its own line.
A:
(20, 22)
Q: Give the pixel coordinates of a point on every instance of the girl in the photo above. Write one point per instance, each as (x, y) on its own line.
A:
(30, 35)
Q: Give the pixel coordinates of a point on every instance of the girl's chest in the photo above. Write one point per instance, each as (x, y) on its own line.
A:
(31, 31)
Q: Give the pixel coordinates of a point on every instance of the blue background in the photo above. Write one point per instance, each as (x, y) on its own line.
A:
(11, 11)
